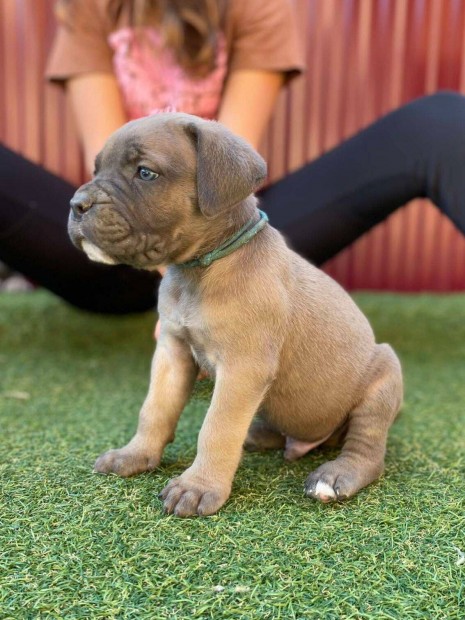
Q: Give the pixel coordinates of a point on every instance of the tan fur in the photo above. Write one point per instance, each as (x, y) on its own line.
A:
(280, 337)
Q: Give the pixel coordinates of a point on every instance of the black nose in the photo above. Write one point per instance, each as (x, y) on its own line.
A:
(80, 203)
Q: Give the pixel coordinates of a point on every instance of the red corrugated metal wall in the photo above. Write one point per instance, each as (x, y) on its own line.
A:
(365, 57)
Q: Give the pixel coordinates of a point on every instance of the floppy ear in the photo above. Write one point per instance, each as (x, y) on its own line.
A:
(228, 168)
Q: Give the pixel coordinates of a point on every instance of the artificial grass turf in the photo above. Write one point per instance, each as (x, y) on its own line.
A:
(74, 544)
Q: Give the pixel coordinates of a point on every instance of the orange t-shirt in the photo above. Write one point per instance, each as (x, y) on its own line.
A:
(258, 34)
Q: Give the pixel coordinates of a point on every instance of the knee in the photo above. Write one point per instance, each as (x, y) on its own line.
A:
(433, 127)
(443, 100)
(444, 109)
(449, 98)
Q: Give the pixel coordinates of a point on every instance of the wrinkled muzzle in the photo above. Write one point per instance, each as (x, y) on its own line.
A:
(97, 225)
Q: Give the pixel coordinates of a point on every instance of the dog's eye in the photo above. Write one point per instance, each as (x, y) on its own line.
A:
(146, 174)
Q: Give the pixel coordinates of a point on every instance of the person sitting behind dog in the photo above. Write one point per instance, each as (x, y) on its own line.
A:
(226, 60)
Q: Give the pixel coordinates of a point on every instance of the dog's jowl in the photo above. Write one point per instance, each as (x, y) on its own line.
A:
(294, 361)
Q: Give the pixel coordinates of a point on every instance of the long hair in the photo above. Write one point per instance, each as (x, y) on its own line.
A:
(189, 27)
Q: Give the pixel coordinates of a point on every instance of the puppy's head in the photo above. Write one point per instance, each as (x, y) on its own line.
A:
(158, 182)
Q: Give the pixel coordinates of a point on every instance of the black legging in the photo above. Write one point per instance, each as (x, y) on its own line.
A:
(415, 151)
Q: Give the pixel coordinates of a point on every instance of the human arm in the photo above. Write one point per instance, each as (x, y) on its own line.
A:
(98, 111)
(248, 101)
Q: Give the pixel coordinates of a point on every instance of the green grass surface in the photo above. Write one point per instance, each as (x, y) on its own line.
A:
(74, 544)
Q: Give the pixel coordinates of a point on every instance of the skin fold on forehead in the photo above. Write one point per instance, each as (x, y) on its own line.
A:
(164, 126)
(159, 143)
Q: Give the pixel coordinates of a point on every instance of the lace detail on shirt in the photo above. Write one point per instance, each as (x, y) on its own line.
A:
(151, 79)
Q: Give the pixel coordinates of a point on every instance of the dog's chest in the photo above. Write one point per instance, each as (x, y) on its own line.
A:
(188, 323)
(192, 330)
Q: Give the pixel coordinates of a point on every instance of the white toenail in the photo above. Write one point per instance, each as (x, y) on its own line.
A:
(324, 489)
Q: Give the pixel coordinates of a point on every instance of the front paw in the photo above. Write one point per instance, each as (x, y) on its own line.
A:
(186, 497)
(127, 461)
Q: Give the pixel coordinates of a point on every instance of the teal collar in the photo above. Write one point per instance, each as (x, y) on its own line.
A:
(241, 237)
